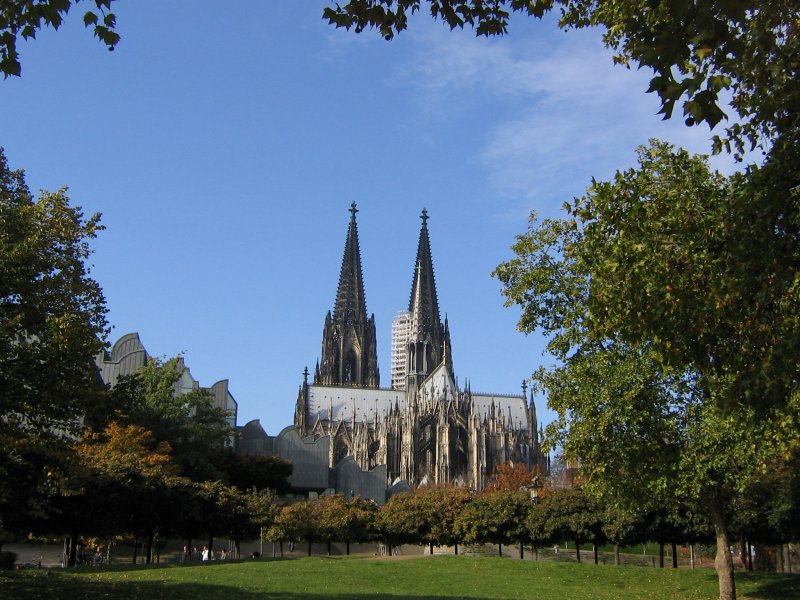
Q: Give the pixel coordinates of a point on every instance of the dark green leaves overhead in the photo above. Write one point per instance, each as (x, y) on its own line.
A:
(23, 18)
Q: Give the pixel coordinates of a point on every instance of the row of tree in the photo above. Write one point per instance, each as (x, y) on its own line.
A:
(504, 515)
(138, 460)
(121, 484)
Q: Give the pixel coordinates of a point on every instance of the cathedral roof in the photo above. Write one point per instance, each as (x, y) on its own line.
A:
(340, 403)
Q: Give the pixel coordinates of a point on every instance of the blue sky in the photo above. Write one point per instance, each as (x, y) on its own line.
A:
(223, 142)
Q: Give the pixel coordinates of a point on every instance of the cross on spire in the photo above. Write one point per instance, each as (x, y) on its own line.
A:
(424, 217)
(353, 211)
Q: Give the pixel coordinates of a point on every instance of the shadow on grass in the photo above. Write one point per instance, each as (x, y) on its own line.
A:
(55, 584)
(768, 586)
(80, 584)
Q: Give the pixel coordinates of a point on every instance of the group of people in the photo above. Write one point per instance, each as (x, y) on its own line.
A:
(203, 555)
(84, 556)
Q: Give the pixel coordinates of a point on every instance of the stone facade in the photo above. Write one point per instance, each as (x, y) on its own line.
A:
(430, 431)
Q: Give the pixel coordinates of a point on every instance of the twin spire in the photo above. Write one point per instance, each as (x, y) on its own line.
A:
(349, 355)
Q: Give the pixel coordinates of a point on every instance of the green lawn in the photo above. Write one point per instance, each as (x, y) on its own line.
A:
(367, 577)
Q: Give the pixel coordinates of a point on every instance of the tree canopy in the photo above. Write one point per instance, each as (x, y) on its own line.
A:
(52, 324)
(195, 429)
(52, 313)
(671, 306)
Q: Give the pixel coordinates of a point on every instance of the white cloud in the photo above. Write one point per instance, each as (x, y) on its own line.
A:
(560, 110)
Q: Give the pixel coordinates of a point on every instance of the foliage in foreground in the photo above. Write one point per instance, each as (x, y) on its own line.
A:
(669, 296)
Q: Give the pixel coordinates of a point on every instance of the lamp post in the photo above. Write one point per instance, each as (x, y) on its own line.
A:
(534, 488)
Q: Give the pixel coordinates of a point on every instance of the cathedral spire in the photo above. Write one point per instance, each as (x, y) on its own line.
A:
(350, 301)
(423, 287)
(429, 339)
(349, 346)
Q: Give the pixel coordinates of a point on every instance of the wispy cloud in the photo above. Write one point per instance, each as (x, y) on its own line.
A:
(561, 111)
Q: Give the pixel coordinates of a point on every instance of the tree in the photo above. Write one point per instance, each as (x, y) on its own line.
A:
(52, 324)
(248, 471)
(113, 482)
(52, 313)
(299, 522)
(344, 519)
(570, 514)
(437, 511)
(263, 509)
(510, 477)
(195, 429)
(227, 513)
(397, 522)
(191, 520)
(671, 305)
(24, 18)
(768, 512)
(497, 518)
(697, 51)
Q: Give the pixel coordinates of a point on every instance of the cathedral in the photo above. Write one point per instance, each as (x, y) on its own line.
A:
(424, 428)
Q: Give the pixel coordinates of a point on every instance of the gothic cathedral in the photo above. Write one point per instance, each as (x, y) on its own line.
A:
(424, 428)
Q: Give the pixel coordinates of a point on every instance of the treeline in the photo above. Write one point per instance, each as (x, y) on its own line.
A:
(80, 458)
(453, 516)
(148, 464)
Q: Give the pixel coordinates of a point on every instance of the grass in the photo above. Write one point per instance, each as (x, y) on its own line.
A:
(367, 577)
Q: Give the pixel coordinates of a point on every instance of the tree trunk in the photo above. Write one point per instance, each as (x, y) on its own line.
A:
(456, 548)
(749, 556)
(135, 550)
(280, 543)
(150, 540)
(616, 554)
(578, 551)
(691, 555)
(661, 555)
(521, 551)
(329, 547)
(430, 545)
(499, 549)
(674, 555)
(594, 547)
(73, 548)
(348, 548)
(309, 547)
(723, 562)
